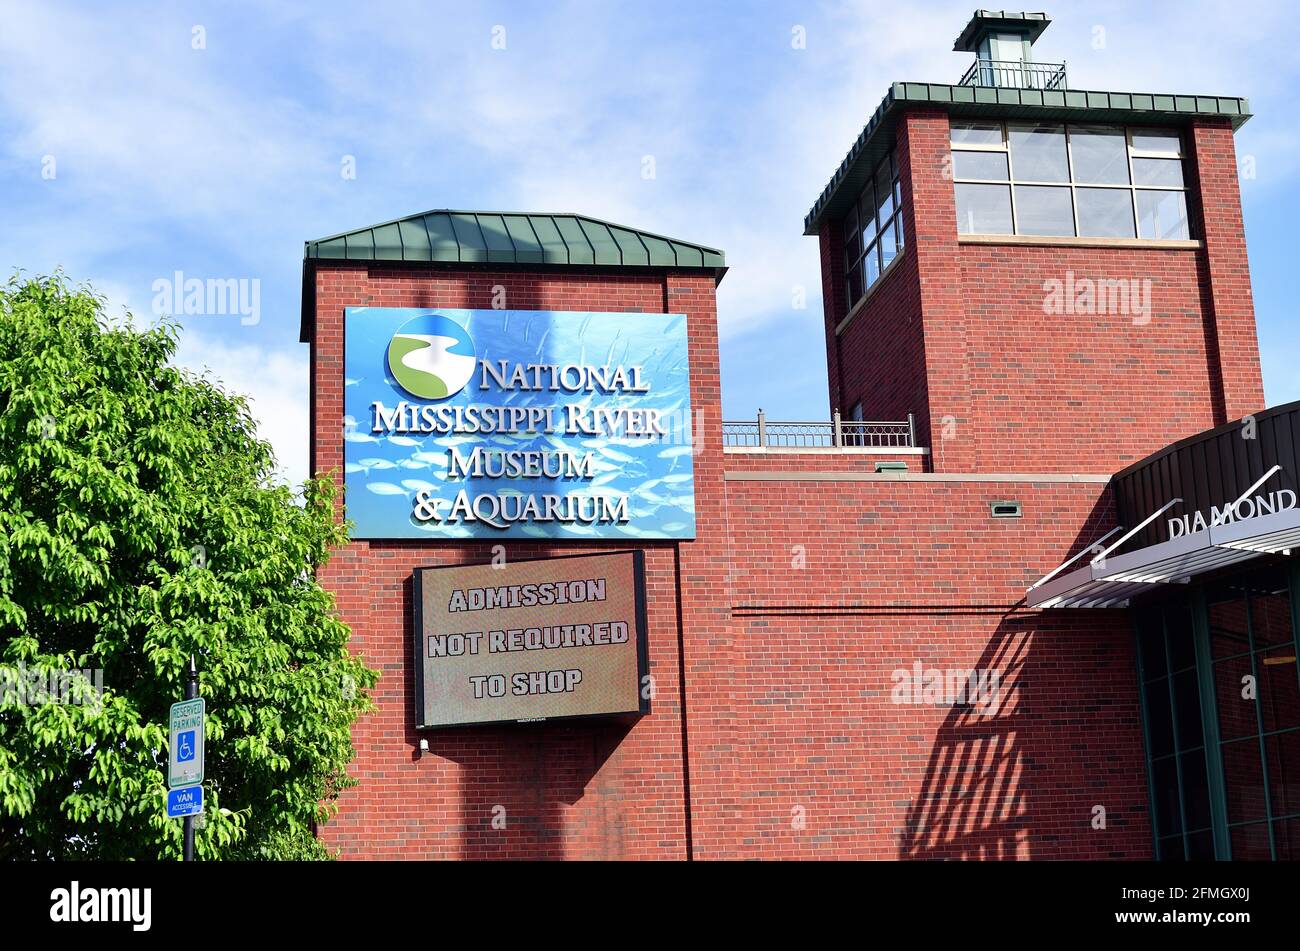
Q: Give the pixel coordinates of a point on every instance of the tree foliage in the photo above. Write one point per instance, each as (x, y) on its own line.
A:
(140, 524)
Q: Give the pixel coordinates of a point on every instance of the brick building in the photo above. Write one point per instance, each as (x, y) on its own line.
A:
(863, 646)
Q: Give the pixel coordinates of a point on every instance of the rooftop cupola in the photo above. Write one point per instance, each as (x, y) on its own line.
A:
(1002, 43)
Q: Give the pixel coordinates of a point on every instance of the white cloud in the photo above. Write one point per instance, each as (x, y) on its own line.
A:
(233, 152)
(275, 382)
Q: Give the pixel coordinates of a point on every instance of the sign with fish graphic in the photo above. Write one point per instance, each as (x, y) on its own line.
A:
(517, 424)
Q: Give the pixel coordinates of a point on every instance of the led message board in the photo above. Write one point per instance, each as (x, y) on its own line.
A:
(530, 640)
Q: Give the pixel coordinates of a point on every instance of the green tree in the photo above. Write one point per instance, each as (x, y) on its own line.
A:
(140, 524)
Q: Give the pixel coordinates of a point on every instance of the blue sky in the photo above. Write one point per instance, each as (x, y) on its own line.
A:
(220, 161)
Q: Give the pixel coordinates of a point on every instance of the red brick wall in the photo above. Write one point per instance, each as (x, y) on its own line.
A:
(772, 717)
(932, 216)
(844, 583)
(1081, 392)
(1006, 386)
(834, 307)
(878, 358)
(565, 791)
(1226, 272)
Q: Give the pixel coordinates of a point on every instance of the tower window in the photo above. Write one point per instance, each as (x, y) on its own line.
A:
(873, 230)
(1060, 180)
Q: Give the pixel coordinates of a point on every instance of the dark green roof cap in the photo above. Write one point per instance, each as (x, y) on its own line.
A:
(483, 237)
(996, 102)
(490, 238)
(984, 22)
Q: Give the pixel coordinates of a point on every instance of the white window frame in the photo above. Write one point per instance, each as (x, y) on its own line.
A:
(1132, 187)
(891, 226)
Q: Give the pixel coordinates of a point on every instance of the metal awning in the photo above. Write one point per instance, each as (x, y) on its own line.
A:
(1110, 581)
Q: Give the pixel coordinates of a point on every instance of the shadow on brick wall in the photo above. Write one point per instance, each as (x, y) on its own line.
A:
(1022, 772)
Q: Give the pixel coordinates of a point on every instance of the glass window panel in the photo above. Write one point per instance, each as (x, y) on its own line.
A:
(1200, 846)
(1163, 215)
(1286, 839)
(902, 239)
(1181, 637)
(1196, 790)
(1151, 642)
(1187, 710)
(1270, 609)
(1044, 209)
(1100, 155)
(1164, 792)
(1236, 711)
(1038, 153)
(1279, 689)
(1171, 849)
(1283, 755)
(1226, 611)
(1167, 141)
(1160, 720)
(1250, 843)
(888, 246)
(1105, 212)
(872, 265)
(991, 165)
(855, 283)
(898, 194)
(976, 133)
(852, 237)
(1158, 171)
(867, 222)
(1243, 777)
(983, 209)
(893, 164)
(884, 193)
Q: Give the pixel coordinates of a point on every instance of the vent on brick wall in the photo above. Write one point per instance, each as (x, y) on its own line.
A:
(1005, 509)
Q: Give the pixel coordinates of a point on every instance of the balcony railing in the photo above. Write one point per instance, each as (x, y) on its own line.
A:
(834, 433)
(1015, 74)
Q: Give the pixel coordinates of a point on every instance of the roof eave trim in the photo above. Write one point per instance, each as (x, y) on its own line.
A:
(1147, 107)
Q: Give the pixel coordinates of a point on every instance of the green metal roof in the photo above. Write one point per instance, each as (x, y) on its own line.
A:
(1062, 105)
(984, 22)
(484, 237)
(488, 237)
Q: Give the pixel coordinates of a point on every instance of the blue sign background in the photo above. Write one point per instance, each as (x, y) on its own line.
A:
(185, 801)
(384, 471)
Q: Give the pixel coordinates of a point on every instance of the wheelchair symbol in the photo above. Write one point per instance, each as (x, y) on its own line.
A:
(185, 747)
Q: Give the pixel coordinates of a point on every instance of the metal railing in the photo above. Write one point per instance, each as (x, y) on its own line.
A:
(1015, 74)
(833, 433)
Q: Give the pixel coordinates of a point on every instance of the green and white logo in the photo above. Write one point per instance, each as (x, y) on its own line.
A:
(431, 356)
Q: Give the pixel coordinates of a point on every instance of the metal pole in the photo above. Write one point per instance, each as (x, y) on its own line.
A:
(911, 430)
(762, 429)
(191, 692)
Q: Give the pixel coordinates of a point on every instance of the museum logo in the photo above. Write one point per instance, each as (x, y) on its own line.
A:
(431, 357)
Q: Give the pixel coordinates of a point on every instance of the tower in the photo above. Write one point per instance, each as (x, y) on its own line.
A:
(1041, 274)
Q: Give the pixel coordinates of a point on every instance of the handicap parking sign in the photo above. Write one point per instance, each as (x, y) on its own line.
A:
(186, 743)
